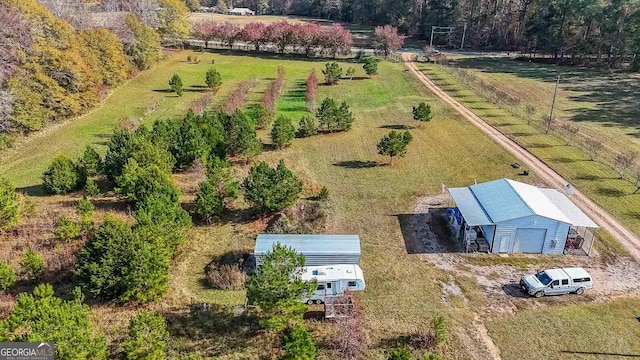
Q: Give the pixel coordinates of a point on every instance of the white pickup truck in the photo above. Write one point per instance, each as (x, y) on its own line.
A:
(557, 282)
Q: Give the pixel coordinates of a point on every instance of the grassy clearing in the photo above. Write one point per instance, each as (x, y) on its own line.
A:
(404, 293)
(594, 178)
(367, 196)
(570, 332)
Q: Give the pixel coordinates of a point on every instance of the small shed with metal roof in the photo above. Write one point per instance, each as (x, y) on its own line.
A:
(514, 217)
(318, 250)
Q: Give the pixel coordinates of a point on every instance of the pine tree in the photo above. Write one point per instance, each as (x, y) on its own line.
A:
(283, 132)
(9, 205)
(394, 144)
(147, 338)
(269, 189)
(176, 84)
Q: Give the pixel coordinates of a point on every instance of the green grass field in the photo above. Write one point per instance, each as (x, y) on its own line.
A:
(368, 197)
(594, 178)
(594, 331)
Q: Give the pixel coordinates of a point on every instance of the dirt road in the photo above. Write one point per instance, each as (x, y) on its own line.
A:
(623, 235)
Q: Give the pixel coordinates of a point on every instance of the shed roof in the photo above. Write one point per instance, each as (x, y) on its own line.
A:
(469, 206)
(310, 244)
(575, 215)
(504, 199)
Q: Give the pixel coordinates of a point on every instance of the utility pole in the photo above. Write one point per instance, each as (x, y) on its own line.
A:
(464, 32)
(431, 42)
(553, 103)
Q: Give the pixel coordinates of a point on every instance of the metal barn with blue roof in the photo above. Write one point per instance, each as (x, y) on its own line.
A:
(506, 216)
(318, 250)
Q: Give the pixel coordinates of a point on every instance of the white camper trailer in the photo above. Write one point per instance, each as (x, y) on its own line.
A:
(333, 280)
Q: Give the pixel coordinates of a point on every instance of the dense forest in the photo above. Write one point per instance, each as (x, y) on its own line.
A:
(610, 28)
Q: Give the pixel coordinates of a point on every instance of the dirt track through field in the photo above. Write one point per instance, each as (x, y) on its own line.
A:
(623, 235)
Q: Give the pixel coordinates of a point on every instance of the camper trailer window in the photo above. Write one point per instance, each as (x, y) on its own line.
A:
(351, 284)
(320, 287)
(328, 285)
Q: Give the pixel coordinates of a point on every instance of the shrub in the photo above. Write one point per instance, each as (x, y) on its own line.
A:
(66, 323)
(9, 205)
(147, 337)
(7, 276)
(324, 193)
(62, 176)
(240, 136)
(371, 66)
(440, 326)
(90, 162)
(67, 229)
(283, 132)
(400, 354)
(91, 188)
(298, 344)
(162, 219)
(208, 203)
(117, 263)
(176, 84)
(422, 112)
(307, 127)
(226, 277)
(213, 79)
(350, 72)
(85, 212)
(32, 265)
(261, 116)
(332, 73)
(270, 189)
(138, 182)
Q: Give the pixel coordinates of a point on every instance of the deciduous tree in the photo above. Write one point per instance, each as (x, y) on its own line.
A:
(173, 19)
(254, 33)
(311, 91)
(387, 39)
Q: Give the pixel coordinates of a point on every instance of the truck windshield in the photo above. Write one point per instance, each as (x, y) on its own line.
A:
(543, 278)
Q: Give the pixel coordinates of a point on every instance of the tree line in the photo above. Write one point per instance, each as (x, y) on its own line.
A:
(310, 38)
(608, 31)
(51, 70)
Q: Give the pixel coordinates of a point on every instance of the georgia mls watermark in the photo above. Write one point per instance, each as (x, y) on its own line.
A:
(26, 351)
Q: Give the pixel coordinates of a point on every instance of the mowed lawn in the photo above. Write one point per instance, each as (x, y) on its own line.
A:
(596, 179)
(594, 331)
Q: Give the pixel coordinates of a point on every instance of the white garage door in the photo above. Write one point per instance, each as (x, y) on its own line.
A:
(529, 241)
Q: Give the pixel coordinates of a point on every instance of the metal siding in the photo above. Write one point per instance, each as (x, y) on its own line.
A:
(554, 228)
(530, 240)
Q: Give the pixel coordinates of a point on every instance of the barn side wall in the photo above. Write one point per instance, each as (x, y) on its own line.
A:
(554, 241)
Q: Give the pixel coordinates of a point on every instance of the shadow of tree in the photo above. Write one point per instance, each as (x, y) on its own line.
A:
(358, 164)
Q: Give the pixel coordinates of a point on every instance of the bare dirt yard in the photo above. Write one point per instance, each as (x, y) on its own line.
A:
(497, 293)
